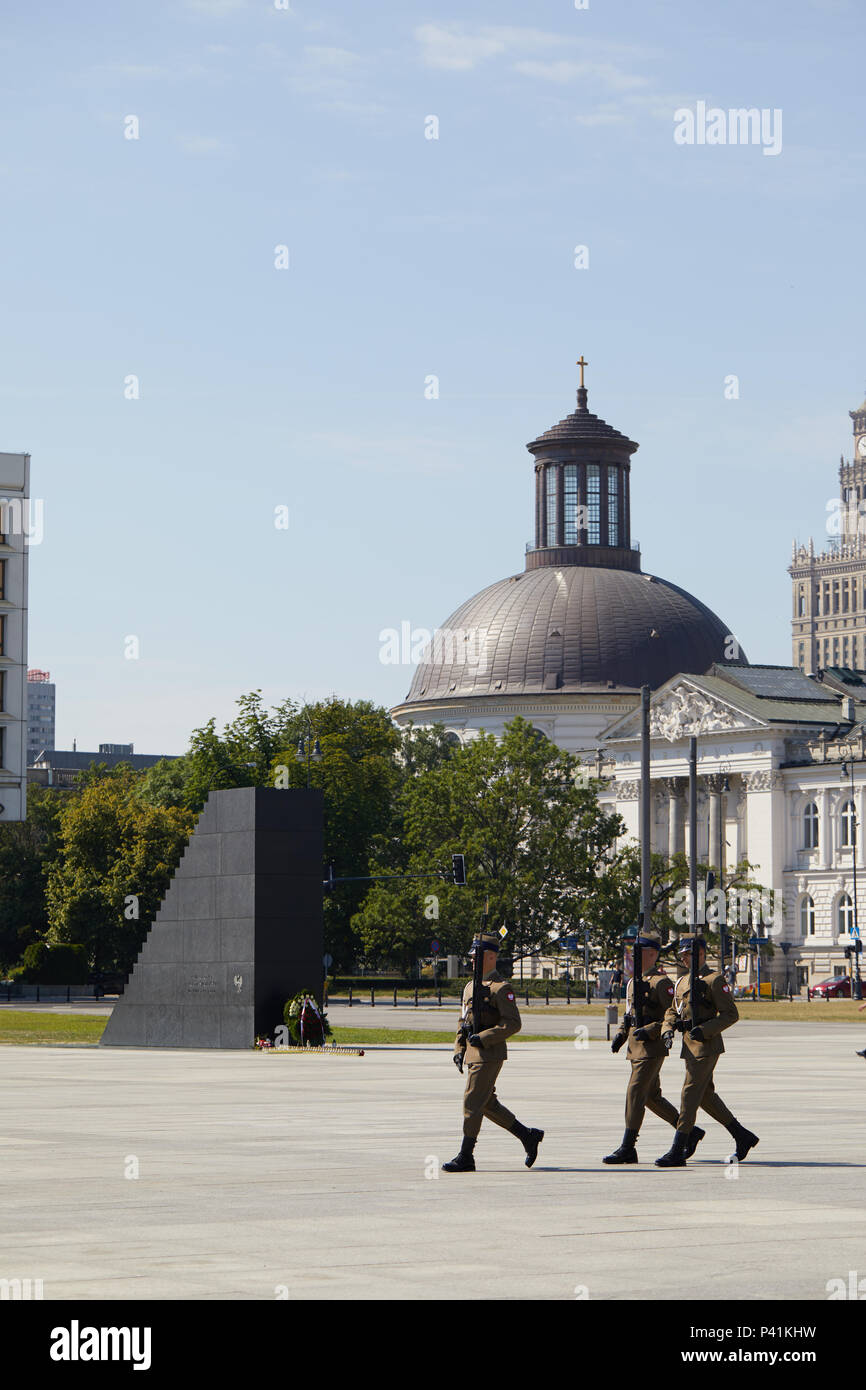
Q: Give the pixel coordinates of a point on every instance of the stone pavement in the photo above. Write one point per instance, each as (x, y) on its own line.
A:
(321, 1175)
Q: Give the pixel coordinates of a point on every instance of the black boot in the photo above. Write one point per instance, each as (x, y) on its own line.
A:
(861, 1054)
(464, 1162)
(743, 1138)
(626, 1153)
(530, 1139)
(677, 1153)
(695, 1138)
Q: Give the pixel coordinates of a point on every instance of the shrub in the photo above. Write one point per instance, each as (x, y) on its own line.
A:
(42, 964)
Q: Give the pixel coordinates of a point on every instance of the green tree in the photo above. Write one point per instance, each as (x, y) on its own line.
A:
(117, 856)
(27, 849)
(537, 846)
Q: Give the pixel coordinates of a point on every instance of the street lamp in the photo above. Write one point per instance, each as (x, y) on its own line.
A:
(858, 983)
(308, 749)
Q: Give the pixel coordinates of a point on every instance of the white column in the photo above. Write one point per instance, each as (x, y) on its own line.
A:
(675, 818)
(824, 843)
(715, 809)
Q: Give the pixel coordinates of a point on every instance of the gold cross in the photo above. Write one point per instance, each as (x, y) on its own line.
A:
(581, 364)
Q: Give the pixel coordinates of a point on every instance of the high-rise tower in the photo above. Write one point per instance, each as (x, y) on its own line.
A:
(828, 622)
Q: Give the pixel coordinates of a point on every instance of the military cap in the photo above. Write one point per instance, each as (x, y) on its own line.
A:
(490, 943)
(685, 944)
(651, 940)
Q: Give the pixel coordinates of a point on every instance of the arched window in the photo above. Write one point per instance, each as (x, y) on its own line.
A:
(810, 826)
(807, 916)
(452, 739)
(845, 915)
(848, 825)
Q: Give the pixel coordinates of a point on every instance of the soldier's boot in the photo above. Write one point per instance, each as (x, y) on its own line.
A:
(743, 1138)
(464, 1162)
(678, 1152)
(530, 1139)
(861, 1054)
(695, 1137)
(626, 1153)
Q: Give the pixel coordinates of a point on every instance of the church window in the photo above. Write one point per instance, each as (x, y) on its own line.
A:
(612, 505)
(570, 473)
(807, 916)
(847, 819)
(845, 915)
(593, 486)
(810, 826)
(550, 486)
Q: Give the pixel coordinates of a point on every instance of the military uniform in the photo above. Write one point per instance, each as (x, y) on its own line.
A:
(714, 1011)
(484, 1056)
(645, 1053)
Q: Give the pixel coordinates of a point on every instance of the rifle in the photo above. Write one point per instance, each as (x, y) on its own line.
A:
(637, 976)
(478, 974)
(695, 982)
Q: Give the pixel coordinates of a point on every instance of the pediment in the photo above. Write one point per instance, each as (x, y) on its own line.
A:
(684, 710)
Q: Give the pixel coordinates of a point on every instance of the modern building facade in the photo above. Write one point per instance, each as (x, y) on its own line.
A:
(828, 621)
(14, 521)
(41, 714)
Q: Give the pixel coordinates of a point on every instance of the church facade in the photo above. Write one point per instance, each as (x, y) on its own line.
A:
(568, 642)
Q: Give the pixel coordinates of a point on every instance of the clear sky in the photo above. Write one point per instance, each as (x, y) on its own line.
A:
(262, 387)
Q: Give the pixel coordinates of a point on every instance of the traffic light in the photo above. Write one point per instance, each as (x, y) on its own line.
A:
(858, 945)
(458, 869)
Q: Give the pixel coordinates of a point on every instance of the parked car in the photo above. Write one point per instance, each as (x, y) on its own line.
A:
(837, 988)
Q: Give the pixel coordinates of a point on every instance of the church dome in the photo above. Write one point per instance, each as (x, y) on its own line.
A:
(583, 617)
(571, 629)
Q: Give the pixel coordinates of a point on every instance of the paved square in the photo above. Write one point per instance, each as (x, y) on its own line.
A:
(260, 1171)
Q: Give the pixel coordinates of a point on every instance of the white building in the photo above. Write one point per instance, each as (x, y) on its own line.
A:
(14, 521)
(781, 783)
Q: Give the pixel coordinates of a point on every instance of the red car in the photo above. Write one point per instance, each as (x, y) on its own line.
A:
(837, 988)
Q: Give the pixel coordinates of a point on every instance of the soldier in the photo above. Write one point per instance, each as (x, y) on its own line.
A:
(701, 1027)
(646, 1052)
(484, 1053)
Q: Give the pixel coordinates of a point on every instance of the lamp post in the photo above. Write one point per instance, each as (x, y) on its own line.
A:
(858, 983)
(308, 749)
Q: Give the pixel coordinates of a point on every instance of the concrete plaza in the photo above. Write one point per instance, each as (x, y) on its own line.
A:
(261, 1175)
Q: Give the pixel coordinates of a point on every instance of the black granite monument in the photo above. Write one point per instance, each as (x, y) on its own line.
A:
(239, 930)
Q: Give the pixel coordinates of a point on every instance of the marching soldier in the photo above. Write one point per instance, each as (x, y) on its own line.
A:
(647, 1053)
(701, 1023)
(484, 1052)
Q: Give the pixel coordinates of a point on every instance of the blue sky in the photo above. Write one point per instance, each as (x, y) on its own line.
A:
(260, 387)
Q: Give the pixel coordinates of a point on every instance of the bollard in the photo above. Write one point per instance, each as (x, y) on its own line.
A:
(350, 996)
(37, 994)
(68, 988)
(611, 1015)
(568, 991)
(416, 996)
(440, 998)
(395, 996)
(372, 997)
(527, 998)
(547, 996)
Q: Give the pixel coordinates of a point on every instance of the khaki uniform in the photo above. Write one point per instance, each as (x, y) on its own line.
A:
(500, 1018)
(716, 1011)
(644, 1087)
